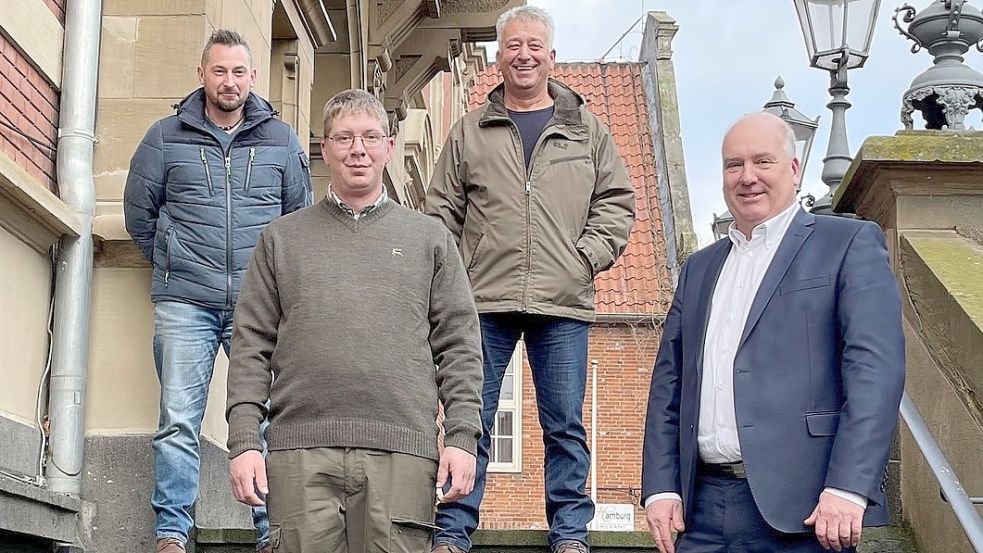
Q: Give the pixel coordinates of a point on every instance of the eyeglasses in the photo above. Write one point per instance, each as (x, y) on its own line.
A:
(344, 141)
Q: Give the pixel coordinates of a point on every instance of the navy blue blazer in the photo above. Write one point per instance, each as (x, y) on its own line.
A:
(818, 374)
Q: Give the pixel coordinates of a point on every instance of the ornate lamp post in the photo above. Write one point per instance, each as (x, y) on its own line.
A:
(803, 125)
(945, 92)
(805, 131)
(837, 34)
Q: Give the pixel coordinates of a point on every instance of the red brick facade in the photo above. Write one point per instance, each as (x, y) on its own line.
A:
(29, 104)
(57, 7)
(625, 354)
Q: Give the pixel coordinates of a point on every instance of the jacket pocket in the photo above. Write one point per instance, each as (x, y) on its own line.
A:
(167, 255)
(556, 160)
(208, 172)
(804, 284)
(584, 261)
(249, 169)
(474, 253)
(822, 424)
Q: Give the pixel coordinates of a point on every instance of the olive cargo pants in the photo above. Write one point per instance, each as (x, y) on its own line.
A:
(348, 500)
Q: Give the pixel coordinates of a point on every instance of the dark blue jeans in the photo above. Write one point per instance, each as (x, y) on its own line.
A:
(557, 351)
(726, 520)
(186, 340)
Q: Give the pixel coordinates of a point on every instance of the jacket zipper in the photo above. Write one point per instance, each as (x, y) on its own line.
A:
(208, 173)
(167, 255)
(249, 168)
(228, 228)
(528, 194)
(527, 190)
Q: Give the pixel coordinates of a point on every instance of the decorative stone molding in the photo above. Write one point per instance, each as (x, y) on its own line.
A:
(474, 18)
(454, 7)
(419, 155)
(956, 102)
(418, 60)
(403, 44)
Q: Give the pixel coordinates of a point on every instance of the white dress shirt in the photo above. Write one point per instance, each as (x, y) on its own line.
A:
(740, 277)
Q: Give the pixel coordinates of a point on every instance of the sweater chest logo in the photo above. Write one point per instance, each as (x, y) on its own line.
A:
(397, 251)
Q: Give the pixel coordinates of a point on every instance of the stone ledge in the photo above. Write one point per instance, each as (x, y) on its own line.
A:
(529, 541)
(31, 212)
(943, 277)
(924, 146)
(113, 245)
(911, 163)
(28, 509)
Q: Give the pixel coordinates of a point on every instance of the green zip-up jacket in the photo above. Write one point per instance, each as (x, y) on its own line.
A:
(533, 238)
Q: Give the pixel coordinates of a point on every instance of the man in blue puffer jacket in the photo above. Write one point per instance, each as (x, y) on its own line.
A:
(201, 187)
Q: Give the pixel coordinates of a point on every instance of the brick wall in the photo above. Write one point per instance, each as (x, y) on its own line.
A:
(626, 354)
(30, 105)
(57, 7)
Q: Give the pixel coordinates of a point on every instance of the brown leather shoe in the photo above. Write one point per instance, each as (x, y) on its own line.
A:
(170, 545)
(447, 548)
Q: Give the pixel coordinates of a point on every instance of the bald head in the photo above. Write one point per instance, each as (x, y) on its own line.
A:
(768, 122)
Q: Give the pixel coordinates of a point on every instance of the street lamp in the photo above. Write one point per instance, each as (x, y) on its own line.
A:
(805, 131)
(837, 34)
(803, 126)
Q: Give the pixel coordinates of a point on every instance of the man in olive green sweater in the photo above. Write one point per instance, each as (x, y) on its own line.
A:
(361, 310)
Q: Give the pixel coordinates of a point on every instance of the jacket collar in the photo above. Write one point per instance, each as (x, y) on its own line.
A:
(567, 105)
(191, 110)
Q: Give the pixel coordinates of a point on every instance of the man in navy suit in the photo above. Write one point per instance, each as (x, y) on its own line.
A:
(775, 393)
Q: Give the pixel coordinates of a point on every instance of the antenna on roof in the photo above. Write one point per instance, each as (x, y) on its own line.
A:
(622, 37)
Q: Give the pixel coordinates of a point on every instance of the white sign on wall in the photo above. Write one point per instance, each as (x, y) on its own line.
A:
(612, 517)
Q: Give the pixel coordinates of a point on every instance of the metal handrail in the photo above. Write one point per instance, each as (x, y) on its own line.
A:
(952, 490)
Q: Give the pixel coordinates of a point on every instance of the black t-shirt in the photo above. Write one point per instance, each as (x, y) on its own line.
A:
(531, 125)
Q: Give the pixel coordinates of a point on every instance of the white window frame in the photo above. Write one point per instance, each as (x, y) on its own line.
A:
(513, 406)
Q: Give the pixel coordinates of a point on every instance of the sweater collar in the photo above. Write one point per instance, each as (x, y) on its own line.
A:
(366, 218)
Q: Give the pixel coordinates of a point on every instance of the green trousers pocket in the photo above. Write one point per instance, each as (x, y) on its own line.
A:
(410, 536)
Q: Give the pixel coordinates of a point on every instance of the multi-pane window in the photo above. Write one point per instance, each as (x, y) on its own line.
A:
(505, 453)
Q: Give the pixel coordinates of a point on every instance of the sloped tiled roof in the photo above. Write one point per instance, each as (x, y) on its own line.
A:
(640, 282)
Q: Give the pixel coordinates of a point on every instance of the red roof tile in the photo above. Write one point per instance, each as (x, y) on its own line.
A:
(640, 282)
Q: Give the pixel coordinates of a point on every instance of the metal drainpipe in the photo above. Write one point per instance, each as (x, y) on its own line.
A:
(358, 73)
(73, 274)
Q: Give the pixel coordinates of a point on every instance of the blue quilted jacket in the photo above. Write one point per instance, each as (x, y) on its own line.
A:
(195, 210)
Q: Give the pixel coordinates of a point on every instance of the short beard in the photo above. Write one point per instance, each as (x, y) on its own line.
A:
(227, 106)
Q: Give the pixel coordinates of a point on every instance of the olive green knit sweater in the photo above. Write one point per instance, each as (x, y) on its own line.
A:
(351, 318)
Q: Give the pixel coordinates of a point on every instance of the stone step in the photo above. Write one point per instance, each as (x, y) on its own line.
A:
(534, 541)
(891, 539)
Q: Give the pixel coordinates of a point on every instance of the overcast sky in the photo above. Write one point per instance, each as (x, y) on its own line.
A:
(727, 54)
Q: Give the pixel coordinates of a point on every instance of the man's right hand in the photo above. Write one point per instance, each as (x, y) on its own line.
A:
(664, 516)
(247, 473)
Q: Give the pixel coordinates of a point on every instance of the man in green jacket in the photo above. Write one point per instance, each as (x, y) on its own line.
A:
(351, 304)
(533, 189)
